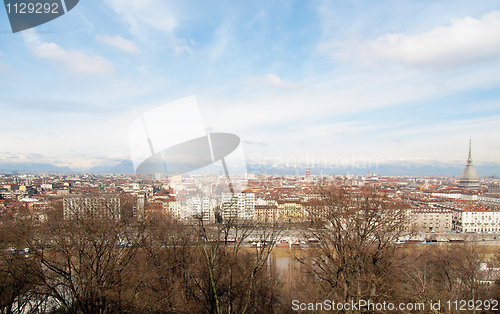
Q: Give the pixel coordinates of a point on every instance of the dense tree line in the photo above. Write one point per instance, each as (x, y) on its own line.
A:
(95, 264)
(358, 258)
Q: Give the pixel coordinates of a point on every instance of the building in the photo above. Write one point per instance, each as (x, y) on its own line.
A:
(289, 211)
(87, 206)
(265, 214)
(138, 209)
(494, 189)
(469, 177)
(238, 205)
(174, 209)
(202, 208)
(479, 220)
(431, 219)
(132, 205)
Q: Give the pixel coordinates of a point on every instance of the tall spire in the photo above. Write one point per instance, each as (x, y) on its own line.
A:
(469, 177)
(469, 160)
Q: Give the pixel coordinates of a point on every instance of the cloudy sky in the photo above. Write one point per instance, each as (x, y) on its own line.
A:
(296, 80)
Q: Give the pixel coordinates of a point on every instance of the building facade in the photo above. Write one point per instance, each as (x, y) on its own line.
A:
(202, 208)
(476, 220)
(240, 206)
(289, 212)
(88, 206)
(431, 220)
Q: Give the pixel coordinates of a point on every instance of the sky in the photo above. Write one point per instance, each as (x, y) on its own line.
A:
(297, 81)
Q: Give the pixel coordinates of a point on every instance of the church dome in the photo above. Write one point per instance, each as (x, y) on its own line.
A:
(469, 177)
(469, 174)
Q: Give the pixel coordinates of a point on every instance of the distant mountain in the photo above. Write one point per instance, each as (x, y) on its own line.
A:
(384, 170)
(123, 167)
(32, 167)
(97, 169)
(395, 169)
(492, 170)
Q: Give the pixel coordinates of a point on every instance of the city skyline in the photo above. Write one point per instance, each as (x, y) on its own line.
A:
(395, 82)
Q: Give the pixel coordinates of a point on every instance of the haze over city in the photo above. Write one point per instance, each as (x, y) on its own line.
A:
(397, 81)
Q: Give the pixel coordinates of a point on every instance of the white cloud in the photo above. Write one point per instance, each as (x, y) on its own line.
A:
(118, 42)
(73, 162)
(180, 46)
(156, 14)
(271, 80)
(73, 140)
(221, 39)
(464, 41)
(143, 16)
(75, 61)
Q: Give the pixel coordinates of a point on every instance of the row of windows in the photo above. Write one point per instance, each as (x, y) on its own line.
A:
(482, 229)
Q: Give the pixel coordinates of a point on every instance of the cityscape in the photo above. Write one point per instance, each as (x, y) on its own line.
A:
(230, 157)
(277, 222)
(441, 204)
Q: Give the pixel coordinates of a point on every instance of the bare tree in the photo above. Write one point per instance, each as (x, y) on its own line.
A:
(17, 269)
(357, 253)
(162, 266)
(443, 272)
(84, 263)
(231, 278)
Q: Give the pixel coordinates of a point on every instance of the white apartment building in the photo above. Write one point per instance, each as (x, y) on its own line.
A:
(203, 207)
(174, 209)
(476, 220)
(86, 206)
(238, 205)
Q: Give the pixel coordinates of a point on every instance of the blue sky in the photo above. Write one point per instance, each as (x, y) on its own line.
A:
(393, 81)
